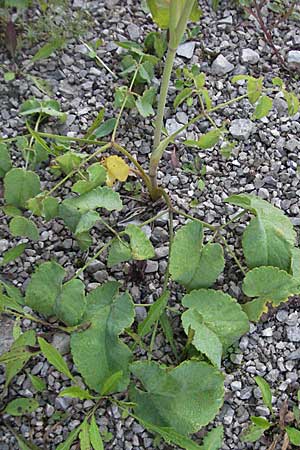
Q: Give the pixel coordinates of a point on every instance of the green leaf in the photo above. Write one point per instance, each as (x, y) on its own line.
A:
(44, 288)
(193, 264)
(204, 339)
(278, 82)
(5, 161)
(261, 422)
(265, 245)
(111, 383)
(219, 312)
(295, 264)
(11, 211)
(154, 314)
(292, 102)
(146, 71)
(95, 436)
(21, 226)
(170, 435)
(210, 139)
(69, 161)
(38, 383)
(144, 102)
(47, 49)
(214, 439)
(265, 392)
(75, 392)
(12, 254)
(50, 208)
(140, 248)
(54, 357)
(108, 313)
(100, 197)
(71, 304)
(87, 221)
(272, 231)
(263, 107)
(254, 89)
(9, 76)
(105, 128)
(96, 123)
(174, 397)
(269, 285)
(21, 406)
(160, 12)
(70, 439)
(24, 444)
(294, 435)
(84, 436)
(19, 186)
(47, 107)
(168, 332)
(182, 96)
(119, 252)
(96, 177)
(253, 433)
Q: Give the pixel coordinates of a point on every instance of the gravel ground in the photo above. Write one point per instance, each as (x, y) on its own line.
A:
(265, 163)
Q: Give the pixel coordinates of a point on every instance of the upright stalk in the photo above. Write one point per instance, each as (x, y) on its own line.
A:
(177, 27)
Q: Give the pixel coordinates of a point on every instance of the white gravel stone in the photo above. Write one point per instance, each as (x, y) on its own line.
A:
(241, 128)
(293, 58)
(249, 56)
(221, 66)
(186, 50)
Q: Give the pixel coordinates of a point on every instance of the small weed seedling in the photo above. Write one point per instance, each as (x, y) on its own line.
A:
(171, 402)
(284, 429)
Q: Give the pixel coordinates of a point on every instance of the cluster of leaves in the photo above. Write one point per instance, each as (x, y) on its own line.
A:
(280, 428)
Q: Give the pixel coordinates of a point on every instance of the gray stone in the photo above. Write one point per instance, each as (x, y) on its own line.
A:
(294, 355)
(221, 66)
(6, 334)
(293, 334)
(133, 31)
(61, 342)
(293, 58)
(241, 128)
(152, 266)
(186, 50)
(249, 56)
(100, 276)
(3, 245)
(172, 126)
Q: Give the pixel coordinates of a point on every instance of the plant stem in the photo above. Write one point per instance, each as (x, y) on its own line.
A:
(101, 250)
(188, 216)
(99, 60)
(233, 255)
(69, 138)
(40, 321)
(154, 161)
(236, 217)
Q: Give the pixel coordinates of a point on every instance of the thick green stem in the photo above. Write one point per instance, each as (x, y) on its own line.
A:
(154, 161)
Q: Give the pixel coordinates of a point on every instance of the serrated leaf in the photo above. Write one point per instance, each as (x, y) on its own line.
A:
(95, 436)
(119, 252)
(261, 422)
(21, 226)
(21, 406)
(265, 392)
(167, 390)
(214, 439)
(117, 169)
(108, 313)
(294, 435)
(71, 304)
(253, 433)
(254, 89)
(75, 392)
(263, 107)
(100, 197)
(193, 264)
(54, 357)
(210, 139)
(182, 96)
(146, 71)
(19, 186)
(269, 285)
(44, 288)
(154, 314)
(5, 161)
(11, 211)
(105, 128)
(87, 221)
(37, 382)
(219, 312)
(12, 254)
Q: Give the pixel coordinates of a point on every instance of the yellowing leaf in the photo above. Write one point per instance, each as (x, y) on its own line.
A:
(117, 169)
